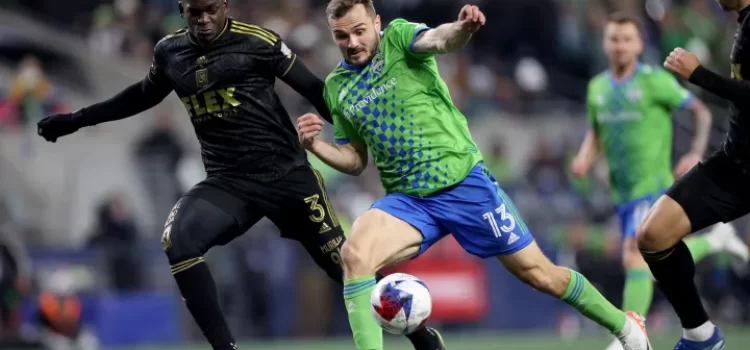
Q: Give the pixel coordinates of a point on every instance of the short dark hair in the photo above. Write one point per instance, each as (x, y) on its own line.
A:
(625, 18)
(339, 8)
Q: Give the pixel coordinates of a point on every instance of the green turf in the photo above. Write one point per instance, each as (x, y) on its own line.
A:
(737, 338)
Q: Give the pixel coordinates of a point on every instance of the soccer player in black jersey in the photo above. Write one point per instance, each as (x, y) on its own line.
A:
(716, 190)
(224, 72)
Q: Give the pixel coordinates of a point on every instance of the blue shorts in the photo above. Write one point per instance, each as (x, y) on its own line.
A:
(632, 213)
(476, 211)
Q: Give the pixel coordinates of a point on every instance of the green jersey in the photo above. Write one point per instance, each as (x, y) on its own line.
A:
(400, 108)
(633, 119)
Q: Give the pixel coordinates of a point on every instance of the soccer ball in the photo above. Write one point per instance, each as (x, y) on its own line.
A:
(401, 303)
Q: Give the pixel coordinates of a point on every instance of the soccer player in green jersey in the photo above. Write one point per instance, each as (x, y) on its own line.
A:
(629, 112)
(388, 98)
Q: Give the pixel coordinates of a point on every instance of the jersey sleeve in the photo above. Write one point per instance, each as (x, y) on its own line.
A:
(282, 58)
(157, 73)
(403, 34)
(591, 106)
(669, 92)
(344, 131)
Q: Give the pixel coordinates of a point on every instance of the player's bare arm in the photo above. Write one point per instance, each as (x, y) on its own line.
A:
(450, 37)
(587, 154)
(703, 117)
(687, 66)
(349, 158)
(134, 99)
(702, 124)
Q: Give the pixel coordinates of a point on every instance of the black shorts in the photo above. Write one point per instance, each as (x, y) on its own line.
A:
(716, 190)
(221, 208)
(296, 203)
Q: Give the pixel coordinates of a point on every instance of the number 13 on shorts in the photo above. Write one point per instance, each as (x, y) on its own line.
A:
(507, 222)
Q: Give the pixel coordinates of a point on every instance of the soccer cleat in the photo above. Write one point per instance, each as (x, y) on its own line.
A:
(615, 345)
(635, 338)
(440, 338)
(432, 340)
(723, 238)
(716, 342)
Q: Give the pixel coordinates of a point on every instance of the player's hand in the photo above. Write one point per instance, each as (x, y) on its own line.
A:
(471, 18)
(686, 163)
(57, 125)
(309, 127)
(682, 62)
(580, 167)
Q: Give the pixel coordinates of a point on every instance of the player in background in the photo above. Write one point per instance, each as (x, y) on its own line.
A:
(716, 190)
(225, 71)
(387, 97)
(629, 113)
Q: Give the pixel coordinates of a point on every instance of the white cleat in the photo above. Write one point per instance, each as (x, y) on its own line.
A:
(634, 336)
(724, 238)
(615, 345)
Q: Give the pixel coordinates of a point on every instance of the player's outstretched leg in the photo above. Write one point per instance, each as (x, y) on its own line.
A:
(670, 260)
(378, 239)
(532, 267)
(325, 251)
(189, 232)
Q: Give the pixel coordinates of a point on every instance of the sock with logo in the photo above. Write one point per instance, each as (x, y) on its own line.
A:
(366, 331)
(582, 295)
(639, 290)
(699, 247)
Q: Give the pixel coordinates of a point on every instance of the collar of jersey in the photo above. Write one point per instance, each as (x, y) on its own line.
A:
(625, 81)
(356, 68)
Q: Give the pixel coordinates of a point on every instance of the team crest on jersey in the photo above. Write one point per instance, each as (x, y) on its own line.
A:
(201, 77)
(378, 63)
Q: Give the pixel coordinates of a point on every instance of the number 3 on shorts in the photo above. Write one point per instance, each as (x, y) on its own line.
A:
(504, 217)
(319, 213)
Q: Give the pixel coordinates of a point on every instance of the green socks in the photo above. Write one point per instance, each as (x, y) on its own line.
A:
(366, 331)
(589, 302)
(639, 290)
(699, 247)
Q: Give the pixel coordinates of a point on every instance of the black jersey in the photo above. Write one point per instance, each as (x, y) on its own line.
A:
(227, 88)
(737, 144)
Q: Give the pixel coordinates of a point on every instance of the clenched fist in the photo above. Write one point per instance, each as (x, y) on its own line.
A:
(58, 125)
(682, 62)
(471, 18)
(309, 127)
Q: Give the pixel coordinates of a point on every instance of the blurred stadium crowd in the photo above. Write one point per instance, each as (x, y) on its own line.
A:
(531, 61)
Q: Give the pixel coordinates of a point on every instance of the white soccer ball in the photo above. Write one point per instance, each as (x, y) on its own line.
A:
(401, 303)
